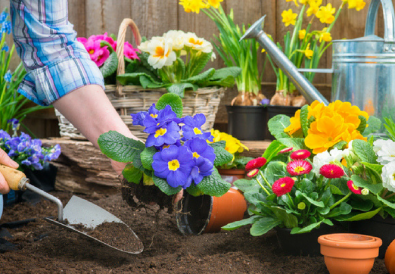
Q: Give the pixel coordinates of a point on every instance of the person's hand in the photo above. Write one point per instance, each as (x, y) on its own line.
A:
(5, 160)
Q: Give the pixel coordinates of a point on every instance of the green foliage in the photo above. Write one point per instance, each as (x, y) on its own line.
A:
(222, 156)
(132, 174)
(170, 100)
(304, 113)
(238, 224)
(374, 126)
(110, 65)
(364, 151)
(146, 157)
(277, 124)
(214, 185)
(263, 225)
(272, 150)
(165, 187)
(390, 128)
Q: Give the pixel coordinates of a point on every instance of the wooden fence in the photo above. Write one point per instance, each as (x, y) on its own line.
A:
(154, 17)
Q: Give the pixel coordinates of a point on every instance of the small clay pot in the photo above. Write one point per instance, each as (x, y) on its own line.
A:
(347, 253)
(231, 175)
(207, 214)
(390, 258)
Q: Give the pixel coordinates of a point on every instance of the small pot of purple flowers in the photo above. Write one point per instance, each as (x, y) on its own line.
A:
(175, 157)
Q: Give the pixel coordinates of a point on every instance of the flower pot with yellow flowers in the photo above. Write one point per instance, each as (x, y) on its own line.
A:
(304, 47)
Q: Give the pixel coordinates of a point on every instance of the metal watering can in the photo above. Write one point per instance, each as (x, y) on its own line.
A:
(363, 68)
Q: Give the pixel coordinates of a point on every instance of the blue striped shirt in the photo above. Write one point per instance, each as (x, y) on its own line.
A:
(56, 63)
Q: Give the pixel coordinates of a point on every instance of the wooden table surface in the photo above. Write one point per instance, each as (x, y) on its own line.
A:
(256, 148)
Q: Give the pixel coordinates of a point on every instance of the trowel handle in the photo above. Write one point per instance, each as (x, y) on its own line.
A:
(16, 179)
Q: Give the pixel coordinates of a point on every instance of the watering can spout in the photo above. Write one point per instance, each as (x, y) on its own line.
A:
(301, 83)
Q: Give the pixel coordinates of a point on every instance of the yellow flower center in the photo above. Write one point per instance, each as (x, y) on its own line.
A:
(160, 132)
(355, 187)
(300, 153)
(196, 155)
(160, 52)
(174, 165)
(197, 131)
(299, 169)
(393, 175)
(91, 51)
(166, 146)
(195, 42)
(283, 185)
(154, 115)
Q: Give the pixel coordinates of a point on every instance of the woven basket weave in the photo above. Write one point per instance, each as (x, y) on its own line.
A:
(132, 99)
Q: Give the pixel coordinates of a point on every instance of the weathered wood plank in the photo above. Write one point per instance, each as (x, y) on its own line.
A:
(94, 17)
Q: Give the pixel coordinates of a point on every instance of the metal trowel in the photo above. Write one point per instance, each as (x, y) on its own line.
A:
(77, 212)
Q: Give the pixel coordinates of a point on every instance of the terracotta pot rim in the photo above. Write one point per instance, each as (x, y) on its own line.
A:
(350, 241)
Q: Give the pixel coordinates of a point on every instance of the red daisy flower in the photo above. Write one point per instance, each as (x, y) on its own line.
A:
(354, 189)
(300, 154)
(285, 150)
(253, 173)
(283, 186)
(331, 171)
(299, 167)
(255, 163)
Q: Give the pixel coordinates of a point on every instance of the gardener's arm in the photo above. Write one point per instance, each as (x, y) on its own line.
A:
(5, 160)
(60, 71)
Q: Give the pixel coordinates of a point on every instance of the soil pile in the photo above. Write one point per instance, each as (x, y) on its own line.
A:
(45, 248)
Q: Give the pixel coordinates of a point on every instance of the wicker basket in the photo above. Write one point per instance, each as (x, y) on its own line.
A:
(132, 99)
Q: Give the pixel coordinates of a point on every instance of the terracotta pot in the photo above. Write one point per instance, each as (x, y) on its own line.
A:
(231, 175)
(347, 253)
(207, 214)
(390, 258)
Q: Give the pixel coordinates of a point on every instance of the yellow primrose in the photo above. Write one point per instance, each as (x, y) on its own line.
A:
(349, 112)
(314, 6)
(325, 14)
(308, 52)
(295, 1)
(215, 3)
(352, 134)
(289, 17)
(295, 124)
(316, 109)
(302, 34)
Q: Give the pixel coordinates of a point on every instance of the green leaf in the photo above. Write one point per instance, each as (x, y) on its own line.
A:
(200, 64)
(362, 126)
(241, 161)
(218, 144)
(274, 171)
(272, 150)
(387, 203)
(263, 225)
(214, 185)
(132, 174)
(343, 209)
(104, 43)
(147, 157)
(165, 187)
(288, 219)
(172, 100)
(296, 143)
(304, 113)
(200, 78)
(226, 82)
(376, 168)
(245, 185)
(364, 151)
(255, 197)
(339, 186)
(374, 126)
(340, 145)
(222, 156)
(355, 216)
(312, 201)
(362, 205)
(134, 78)
(194, 190)
(238, 224)
(226, 72)
(179, 88)
(306, 186)
(110, 65)
(277, 124)
(298, 230)
(358, 181)
(118, 147)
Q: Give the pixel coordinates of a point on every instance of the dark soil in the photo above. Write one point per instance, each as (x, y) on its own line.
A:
(45, 248)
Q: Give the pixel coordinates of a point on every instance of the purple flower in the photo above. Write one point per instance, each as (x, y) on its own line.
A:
(202, 169)
(4, 135)
(265, 102)
(165, 133)
(174, 164)
(6, 27)
(193, 128)
(3, 17)
(8, 77)
(138, 118)
(200, 148)
(53, 153)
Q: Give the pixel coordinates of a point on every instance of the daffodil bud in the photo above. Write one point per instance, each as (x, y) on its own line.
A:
(301, 206)
(365, 191)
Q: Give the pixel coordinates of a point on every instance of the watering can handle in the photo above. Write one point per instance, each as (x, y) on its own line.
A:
(389, 22)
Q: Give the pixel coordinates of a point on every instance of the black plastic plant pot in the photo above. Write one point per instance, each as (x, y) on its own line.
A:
(377, 227)
(305, 244)
(247, 122)
(276, 110)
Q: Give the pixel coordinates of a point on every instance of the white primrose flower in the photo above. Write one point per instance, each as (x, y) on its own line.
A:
(161, 53)
(144, 45)
(324, 158)
(196, 43)
(388, 176)
(385, 150)
(178, 37)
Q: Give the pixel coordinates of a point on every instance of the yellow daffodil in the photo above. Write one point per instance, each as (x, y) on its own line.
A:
(304, 2)
(314, 6)
(263, 50)
(356, 4)
(193, 5)
(215, 3)
(295, 1)
(325, 14)
(295, 124)
(308, 52)
(325, 35)
(302, 34)
(289, 17)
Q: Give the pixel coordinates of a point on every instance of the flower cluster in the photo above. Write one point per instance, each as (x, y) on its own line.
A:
(385, 151)
(196, 5)
(332, 124)
(26, 151)
(164, 50)
(180, 159)
(99, 53)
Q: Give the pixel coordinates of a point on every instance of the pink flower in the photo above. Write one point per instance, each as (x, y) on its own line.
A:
(253, 173)
(353, 188)
(130, 52)
(331, 171)
(98, 55)
(82, 40)
(283, 186)
(255, 163)
(300, 154)
(299, 167)
(285, 150)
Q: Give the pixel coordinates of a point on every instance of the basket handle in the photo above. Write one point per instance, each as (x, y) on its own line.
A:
(127, 22)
